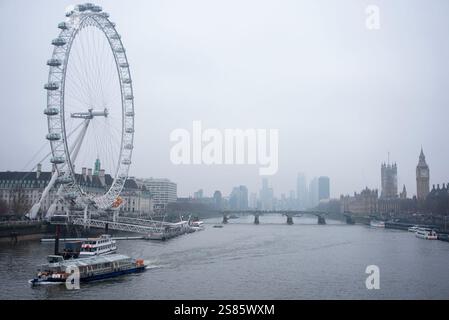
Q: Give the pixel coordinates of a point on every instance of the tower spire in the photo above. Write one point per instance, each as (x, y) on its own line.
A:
(97, 166)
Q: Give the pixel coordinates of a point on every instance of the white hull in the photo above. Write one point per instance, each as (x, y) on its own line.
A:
(377, 224)
(426, 236)
(426, 233)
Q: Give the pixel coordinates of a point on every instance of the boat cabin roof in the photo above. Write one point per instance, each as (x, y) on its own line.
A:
(90, 261)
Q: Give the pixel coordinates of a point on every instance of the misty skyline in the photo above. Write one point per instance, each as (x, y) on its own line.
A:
(341, 96)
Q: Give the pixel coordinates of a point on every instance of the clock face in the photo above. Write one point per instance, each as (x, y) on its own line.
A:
(424, 173)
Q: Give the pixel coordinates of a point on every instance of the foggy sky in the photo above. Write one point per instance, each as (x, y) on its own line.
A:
(341, 96)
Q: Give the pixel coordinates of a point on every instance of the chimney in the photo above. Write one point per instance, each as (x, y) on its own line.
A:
(39, 170)
(101, 175)
(89, 173)
(84, 173)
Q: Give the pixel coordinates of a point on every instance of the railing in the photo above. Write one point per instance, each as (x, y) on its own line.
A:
(142, 222)
(116, 225)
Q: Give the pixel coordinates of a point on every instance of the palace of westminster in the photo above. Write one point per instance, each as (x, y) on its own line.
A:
(390, 203)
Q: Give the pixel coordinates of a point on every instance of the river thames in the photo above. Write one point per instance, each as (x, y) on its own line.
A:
(245, 261)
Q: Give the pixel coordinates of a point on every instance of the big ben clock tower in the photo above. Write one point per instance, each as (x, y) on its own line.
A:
(422, 178)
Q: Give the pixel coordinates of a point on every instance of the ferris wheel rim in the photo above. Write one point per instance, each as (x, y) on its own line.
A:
(76, 21)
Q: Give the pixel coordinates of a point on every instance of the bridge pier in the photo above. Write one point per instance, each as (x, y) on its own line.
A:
(321, 220)
(225, 218)
(256, 219)
(349, 220)
(289, 220)
(57, 235)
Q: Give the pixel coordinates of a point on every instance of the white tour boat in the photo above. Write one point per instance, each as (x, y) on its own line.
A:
(426, 233)
(98, 246)
(413, 229)
(197, 225)
(377, 224)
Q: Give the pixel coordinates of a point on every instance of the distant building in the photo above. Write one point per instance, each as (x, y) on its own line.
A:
(199, 194)
(313, 193)
(438, 200)
(97, 167)
(301, 191)
(253, 201)
(21, 190)
(422, 178)
(137, 200)
(403, 194)
(389, 180)
(323, 188)
(162, 191)
(218, 200)
(266, 196)
(238, 200)
(363, 203)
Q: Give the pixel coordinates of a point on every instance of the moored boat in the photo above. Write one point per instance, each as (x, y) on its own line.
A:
(426, 233)
(90, 269)
(197, 225)
(413, 229)
(98, 246)
(377, 224)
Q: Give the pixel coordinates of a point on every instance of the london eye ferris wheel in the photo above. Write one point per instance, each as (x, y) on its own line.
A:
(90, 107)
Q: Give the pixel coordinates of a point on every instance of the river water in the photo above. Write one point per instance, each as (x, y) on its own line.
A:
(245, 261)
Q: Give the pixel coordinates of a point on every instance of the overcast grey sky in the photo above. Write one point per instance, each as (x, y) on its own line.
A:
(342, 96)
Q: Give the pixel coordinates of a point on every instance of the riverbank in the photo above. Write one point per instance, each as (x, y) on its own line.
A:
(23, 230)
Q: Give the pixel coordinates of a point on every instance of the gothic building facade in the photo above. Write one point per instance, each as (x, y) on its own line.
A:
(389, 180)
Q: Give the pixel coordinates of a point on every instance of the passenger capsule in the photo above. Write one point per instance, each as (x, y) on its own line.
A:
(57, 160)
(51, 111)
(51, 86)
(89, 6)
(53, 136)
(54, 63)
(97, 9)
(59, 42)
(129, 97)
(64, 180)
(129, 130)
(124, 65)
(130, 114)
(129, 146)
(63, 26)
(81, 7)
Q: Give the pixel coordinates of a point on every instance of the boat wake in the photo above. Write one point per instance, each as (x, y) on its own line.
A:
(44, 283)
(152, 267)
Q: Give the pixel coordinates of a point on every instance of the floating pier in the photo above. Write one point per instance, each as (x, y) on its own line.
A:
(85, 239)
